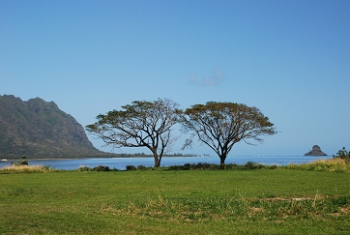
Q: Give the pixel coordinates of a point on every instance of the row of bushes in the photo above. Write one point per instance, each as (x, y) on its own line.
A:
(106, 168)
(197, 166)
(138, 168)
(206, 166)
(335, 164)
(97, 168)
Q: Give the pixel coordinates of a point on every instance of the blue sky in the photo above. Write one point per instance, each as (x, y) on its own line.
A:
(291, 59)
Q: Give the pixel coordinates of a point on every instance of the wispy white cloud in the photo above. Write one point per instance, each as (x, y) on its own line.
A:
(210, 81)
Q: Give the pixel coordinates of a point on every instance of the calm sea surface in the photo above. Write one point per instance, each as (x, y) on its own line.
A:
(121, 163)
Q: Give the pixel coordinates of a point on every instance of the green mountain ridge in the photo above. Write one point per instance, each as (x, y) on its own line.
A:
(39, 129)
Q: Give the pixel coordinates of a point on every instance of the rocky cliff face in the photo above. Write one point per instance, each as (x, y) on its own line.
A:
(316, 151)
(39, 129)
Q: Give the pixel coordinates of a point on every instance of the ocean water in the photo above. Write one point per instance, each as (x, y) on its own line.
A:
(121, 163)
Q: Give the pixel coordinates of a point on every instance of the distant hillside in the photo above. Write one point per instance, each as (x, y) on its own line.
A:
(39, 129)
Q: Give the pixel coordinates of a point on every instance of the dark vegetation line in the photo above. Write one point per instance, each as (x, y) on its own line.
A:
(339, 162)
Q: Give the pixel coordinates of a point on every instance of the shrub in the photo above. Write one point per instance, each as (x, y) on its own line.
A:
(101, 168)
(175, 168)
(141, 168)
(84, 168)
(21, 162)
(198, 166)
(343, 154)
(187, 166)
(252, 165)
(130, 168)
(233, 166)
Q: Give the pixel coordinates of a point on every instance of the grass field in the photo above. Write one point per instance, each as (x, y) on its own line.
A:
(263, 201)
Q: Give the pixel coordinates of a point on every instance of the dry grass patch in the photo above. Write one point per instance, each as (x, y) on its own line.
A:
(24, 169)
(333, 164)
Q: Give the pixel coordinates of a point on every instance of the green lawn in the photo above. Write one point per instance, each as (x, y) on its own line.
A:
(267, 201)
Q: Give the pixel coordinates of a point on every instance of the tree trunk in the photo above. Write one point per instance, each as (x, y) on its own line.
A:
(222, 161)
(223, 156)
(156, 164)
(156, 160)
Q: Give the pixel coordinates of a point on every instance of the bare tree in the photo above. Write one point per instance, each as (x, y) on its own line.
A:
(141, 124)
(220, 125)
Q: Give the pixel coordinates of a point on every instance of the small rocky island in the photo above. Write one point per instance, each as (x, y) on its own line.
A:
(316, 151)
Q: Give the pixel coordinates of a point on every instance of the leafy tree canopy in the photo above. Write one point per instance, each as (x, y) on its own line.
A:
(220, 125)
(140, 124)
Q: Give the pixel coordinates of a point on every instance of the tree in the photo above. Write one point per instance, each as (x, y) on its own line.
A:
(220, 125)
(343, 154)
(141, 124)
